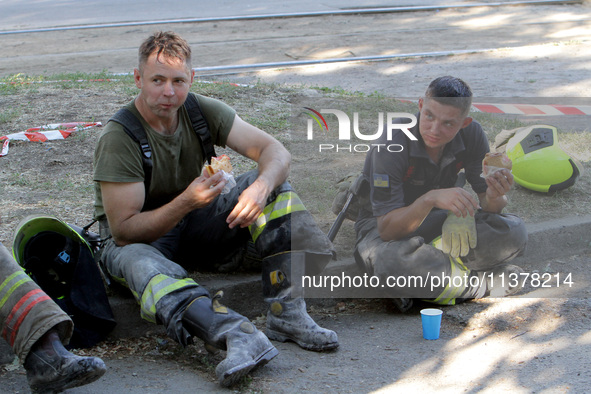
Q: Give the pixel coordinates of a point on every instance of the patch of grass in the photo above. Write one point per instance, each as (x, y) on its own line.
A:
(82, 134)
(19, 82)
(7, 89)
(577, 144)
(12, 83)
(64, 183)
(316, 191)
(338, 91)
(215, 89)
(8, 114)
(273, 120)
(493, 124)
(19, 179)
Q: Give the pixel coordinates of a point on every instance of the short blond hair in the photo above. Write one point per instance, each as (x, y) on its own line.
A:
(166, 43)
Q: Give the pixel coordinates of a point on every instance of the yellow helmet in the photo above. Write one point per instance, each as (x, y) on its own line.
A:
(539, 163)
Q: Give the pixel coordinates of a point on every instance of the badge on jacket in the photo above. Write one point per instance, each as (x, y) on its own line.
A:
(381, 180)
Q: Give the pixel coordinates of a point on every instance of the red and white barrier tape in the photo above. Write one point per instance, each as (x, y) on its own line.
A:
(532, 109)
(55, 131)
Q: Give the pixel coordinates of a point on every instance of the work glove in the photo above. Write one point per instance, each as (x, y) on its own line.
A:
(458, 235)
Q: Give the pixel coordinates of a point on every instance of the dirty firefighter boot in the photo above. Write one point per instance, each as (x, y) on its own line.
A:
(224, 329)
(52, 369)
(287, 318)
(403, 304)
(502, 281)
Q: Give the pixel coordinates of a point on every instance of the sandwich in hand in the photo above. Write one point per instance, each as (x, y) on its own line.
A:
(495, 161)
(219, 163)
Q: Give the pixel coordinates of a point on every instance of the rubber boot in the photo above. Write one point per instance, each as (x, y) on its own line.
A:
(52, 369)
(503, 281)
(289, 321)
(403, 304)
(224, 329)
(287, 318)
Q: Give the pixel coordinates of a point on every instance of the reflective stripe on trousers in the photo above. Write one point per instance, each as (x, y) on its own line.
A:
(26, 312)
(451, 291)
(159, 286)
(147, 273)
(284, 204)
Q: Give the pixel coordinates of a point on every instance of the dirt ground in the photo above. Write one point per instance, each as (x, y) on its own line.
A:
(540, 51)
(527, 51)
(535, 52)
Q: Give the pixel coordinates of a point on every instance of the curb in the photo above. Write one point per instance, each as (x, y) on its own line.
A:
(557, 238)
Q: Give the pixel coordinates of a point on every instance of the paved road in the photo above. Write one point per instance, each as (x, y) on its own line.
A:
(27, 14)
(517, 346)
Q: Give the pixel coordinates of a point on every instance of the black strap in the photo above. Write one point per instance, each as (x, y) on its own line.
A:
(200, 127)
(133, 127)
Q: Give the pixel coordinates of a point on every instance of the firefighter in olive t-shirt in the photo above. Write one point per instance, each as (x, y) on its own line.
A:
(177, 218)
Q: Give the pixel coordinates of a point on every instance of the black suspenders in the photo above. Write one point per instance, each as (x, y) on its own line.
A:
(133, 127)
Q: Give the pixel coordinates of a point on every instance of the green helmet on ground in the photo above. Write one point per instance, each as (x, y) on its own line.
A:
(539, 163)
(48, 249)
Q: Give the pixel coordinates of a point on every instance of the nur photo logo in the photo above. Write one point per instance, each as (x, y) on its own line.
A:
(349, 131)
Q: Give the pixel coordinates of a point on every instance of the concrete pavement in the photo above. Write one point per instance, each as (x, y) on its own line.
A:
(29, 14)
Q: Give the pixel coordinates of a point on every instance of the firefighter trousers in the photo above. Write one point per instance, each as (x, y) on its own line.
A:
(26, 312)
(501, 237)
(157, 274)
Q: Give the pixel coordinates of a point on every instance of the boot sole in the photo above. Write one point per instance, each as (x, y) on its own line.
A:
(276, 336)
(85, 376)
(232, 376)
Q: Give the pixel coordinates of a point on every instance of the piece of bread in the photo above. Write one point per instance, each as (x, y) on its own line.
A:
(494, 161)
(219, 163)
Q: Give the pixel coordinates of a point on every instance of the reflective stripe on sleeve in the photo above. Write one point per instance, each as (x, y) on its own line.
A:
(20, 311)
(12, 283)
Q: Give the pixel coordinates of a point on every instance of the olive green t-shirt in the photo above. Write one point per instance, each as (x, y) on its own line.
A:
(177, 159)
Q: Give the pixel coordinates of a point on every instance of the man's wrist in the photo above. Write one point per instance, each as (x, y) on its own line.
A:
(427, 200)
(264, 185)
(494, 205)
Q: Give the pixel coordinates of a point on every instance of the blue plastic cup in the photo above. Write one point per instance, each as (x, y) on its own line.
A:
(431, 319)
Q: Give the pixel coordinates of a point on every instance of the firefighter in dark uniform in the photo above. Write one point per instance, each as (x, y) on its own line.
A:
(413, 205)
